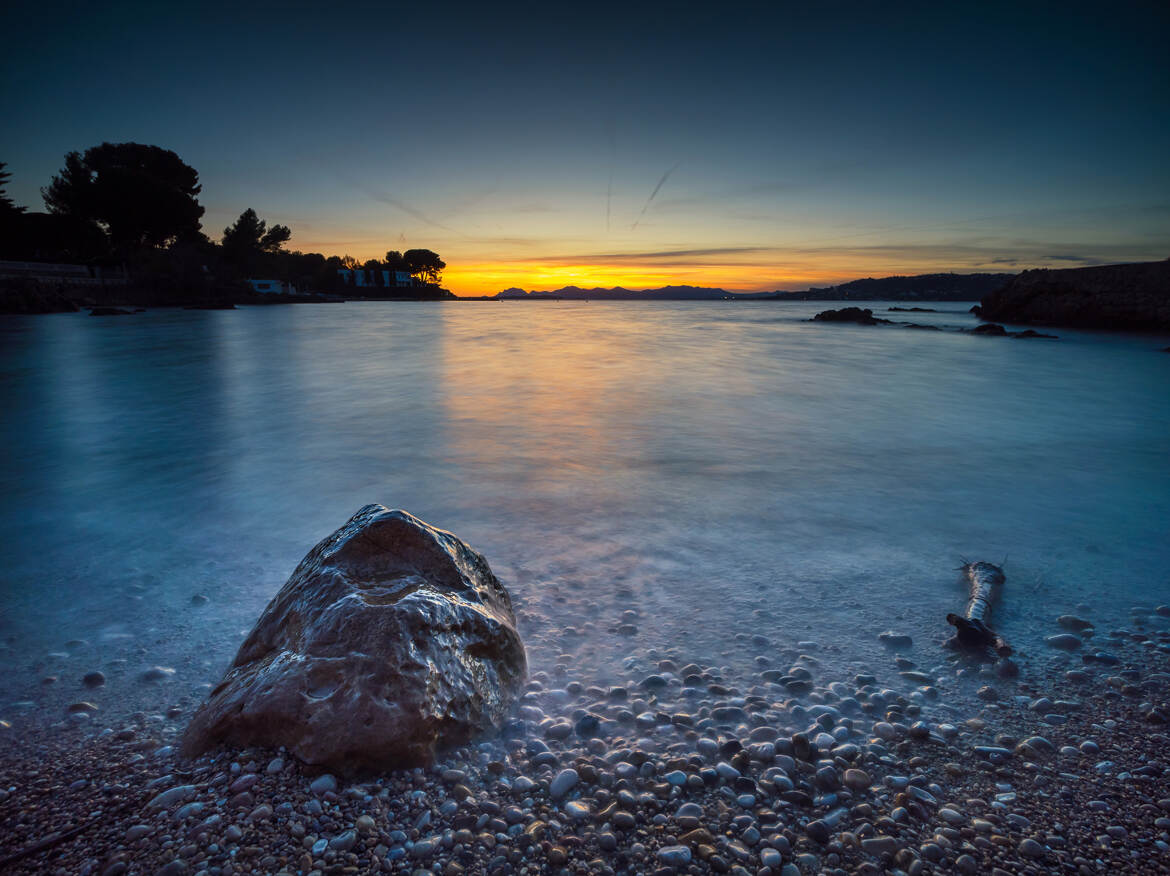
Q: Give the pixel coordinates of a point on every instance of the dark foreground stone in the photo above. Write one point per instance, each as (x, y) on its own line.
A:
(391, 640)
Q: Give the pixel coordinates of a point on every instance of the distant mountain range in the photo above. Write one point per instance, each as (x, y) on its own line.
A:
(923, 287)
(617, 293)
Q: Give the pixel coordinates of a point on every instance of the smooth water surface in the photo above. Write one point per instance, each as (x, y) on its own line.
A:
(721, 468)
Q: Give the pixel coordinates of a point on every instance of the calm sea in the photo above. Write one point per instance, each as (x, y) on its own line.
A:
(721, 469)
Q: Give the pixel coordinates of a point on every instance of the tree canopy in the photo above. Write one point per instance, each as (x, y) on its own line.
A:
(136, 206)
(6, 204)
(424, 264)
(143, 196)
(250, 236)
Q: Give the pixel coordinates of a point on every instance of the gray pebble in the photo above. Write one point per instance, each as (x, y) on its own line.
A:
(563, 783)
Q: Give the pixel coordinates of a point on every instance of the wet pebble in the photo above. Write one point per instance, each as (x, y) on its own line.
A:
(1029, 848)
(564, 782)
(323, 784)
(674, 856)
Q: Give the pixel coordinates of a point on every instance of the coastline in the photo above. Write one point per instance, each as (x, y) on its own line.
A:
(683, 769)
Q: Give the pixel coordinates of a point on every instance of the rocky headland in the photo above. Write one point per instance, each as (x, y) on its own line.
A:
(1133, 297)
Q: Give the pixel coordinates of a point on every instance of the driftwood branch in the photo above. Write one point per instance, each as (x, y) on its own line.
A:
(972, 633)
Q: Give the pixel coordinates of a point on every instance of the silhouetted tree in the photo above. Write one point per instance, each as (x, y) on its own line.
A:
(249, 237)
(374, 267)
(143, 196)
(395, 261)
(424, 264)
(7, 207)
(45, 237)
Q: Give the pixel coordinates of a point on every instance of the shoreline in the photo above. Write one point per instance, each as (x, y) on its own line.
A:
(686, 768)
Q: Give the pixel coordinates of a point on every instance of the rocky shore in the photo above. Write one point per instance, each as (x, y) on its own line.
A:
(920, 762)
(1134, 297)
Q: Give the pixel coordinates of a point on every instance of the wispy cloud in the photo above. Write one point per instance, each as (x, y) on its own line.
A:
(1084, 260)
(663, 256)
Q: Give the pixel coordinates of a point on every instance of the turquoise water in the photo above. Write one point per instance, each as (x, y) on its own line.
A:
(720, 467)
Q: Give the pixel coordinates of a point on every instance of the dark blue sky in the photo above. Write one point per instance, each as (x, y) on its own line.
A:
(752, 146)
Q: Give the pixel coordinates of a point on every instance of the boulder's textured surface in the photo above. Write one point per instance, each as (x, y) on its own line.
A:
(390, 640)
(1133, 296)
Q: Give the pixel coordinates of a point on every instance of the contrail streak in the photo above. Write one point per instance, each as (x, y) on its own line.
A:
(608, 197)
(412, 211)
(612, 157)
(653, 194)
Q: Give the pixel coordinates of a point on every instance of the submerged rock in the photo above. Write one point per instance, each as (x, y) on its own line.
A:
(990, 328)
(850, 314)
(391, 639)
(892, 639)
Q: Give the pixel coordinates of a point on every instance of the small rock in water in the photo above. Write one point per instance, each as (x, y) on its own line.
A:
(168, 798)
(199, 599)
(323, 784)
(563, 783)
(895, 640)
(674, 856)
(1029, 848)
(157, 673)
(880, 845)
(1073, 623)
(577, 810)
(857, 780)
(1035, 747)
(817, 831)
(137, 832)
(1063, 641)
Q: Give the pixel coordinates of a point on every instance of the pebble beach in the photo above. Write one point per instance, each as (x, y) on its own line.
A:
(765, 762)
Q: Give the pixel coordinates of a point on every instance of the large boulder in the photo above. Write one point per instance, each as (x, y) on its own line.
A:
(392, 639)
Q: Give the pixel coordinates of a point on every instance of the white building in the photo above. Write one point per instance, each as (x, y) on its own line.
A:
(363, 278)
(273, 287)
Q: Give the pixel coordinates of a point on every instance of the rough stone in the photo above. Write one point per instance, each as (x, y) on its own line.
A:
(391, 640)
